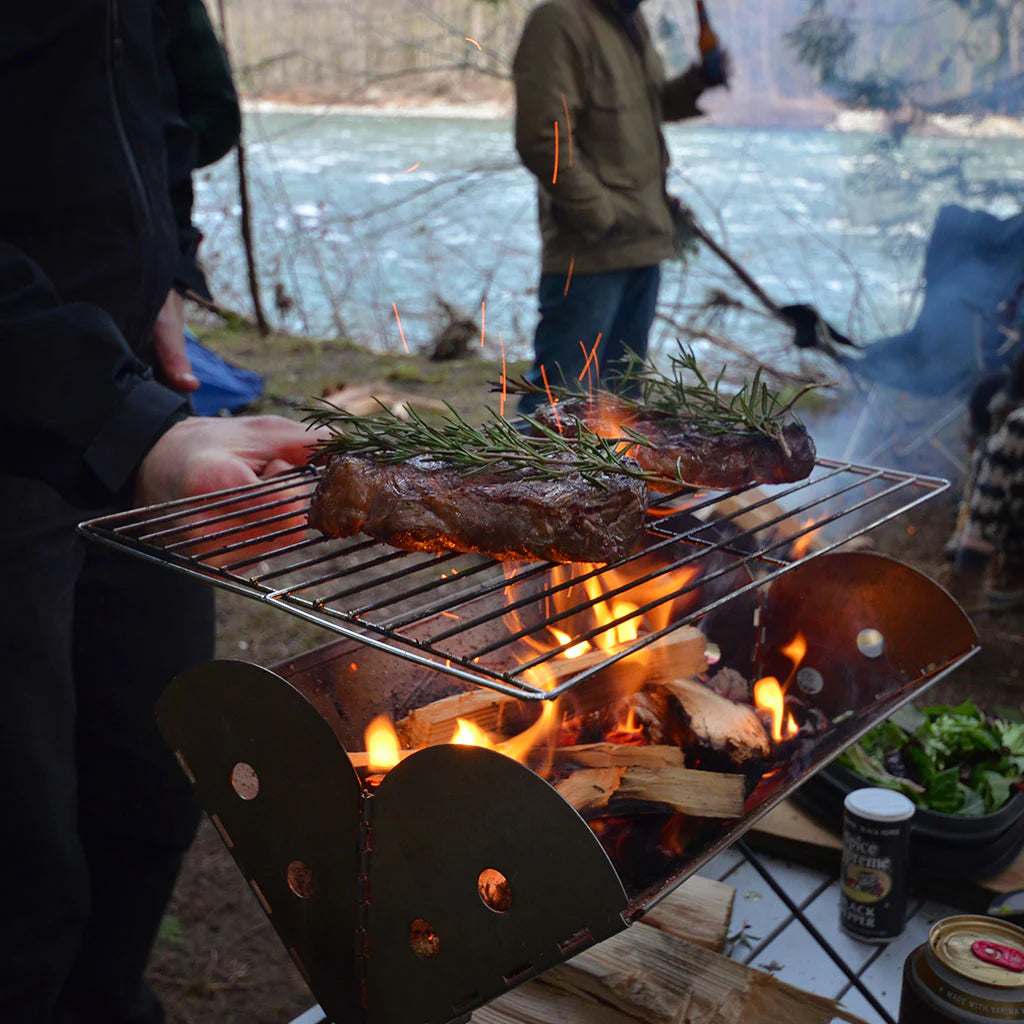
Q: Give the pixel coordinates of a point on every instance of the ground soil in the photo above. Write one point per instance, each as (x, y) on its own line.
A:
(218, 958)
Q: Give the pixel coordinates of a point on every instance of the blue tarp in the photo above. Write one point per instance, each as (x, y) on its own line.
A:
(223, 388)
(974, 261)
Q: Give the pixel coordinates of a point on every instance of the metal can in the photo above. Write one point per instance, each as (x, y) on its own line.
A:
(969, 971)
(875, 863)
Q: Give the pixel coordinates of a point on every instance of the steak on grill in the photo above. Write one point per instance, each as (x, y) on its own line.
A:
(425, 505)
(681, 452)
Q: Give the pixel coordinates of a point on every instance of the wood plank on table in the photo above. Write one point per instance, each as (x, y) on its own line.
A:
(790, 831)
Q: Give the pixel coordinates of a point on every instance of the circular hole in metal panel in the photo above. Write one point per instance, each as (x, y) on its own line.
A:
(494, 890)
(810, 680)
(870, 643)
(423, 939)
(244, 781)
(300, 879)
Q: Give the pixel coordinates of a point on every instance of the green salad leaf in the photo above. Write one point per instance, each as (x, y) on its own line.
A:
(949, 759)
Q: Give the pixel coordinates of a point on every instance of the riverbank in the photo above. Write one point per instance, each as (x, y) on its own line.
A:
(736, 110)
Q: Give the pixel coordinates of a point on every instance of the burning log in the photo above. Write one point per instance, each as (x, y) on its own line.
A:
(694, 715)
(436, 722)
(681, 652)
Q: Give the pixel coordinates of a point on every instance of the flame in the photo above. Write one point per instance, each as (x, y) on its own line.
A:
(802, 544)
(627, 729)
(796, 649)
(469, 734)
(382, 746)
(768, 695)
(576, 650)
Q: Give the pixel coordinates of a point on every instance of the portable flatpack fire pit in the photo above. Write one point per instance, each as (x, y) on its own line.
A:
(494, 767)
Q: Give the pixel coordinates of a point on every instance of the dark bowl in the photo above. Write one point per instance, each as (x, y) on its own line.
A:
(941, 845)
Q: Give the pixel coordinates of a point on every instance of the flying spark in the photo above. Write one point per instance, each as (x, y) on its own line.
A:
(469, 39)
(554, 173)
(483, 322)
(568, 277)
(551, 397)
(413, 168)
(504, 377)
(591, 357)
(398, 320)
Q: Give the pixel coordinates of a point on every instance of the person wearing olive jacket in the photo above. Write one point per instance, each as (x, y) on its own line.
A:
(95, 243)
(591, 94)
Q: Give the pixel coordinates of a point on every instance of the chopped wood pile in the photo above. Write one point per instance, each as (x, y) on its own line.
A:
(667, 969)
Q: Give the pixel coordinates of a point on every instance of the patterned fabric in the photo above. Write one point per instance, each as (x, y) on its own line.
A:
(997, 502)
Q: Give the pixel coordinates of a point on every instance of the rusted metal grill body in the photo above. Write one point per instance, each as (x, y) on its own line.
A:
(353, 876)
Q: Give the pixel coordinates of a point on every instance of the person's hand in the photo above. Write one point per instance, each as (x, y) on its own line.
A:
(172, 361)
(200, 455)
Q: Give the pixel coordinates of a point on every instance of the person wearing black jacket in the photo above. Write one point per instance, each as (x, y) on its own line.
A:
(94, 812)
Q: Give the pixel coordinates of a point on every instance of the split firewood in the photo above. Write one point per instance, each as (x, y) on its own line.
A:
(590, 789)
(687, 790)
(649, 975)
(619, 755)
(436, 722)
(698, 911)
(708, 721)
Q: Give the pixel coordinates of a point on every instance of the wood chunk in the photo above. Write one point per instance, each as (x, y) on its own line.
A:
(619, 755)
(591, 788)
(679, 653)
(699, 911)
(711, 720)
(436, 722)
(649, 975)
(686, 790)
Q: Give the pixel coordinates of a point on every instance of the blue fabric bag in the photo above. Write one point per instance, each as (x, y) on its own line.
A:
(223, 388)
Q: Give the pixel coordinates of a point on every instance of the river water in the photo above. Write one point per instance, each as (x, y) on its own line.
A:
(359, 217)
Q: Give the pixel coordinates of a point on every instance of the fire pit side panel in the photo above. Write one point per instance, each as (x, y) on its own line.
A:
(482, 876)
(283, 794)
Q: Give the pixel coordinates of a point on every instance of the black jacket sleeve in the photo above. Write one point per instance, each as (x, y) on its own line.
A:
(80, 410)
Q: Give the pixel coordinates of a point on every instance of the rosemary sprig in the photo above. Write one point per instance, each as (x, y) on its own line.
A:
(494, 446)
(685, 392)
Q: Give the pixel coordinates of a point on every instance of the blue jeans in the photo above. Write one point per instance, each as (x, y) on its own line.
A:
(617, 305)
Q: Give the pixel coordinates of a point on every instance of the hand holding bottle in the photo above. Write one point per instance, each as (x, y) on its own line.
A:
(714, 60)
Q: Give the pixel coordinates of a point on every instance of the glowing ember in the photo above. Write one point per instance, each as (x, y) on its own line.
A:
(382, 746)
(469, 734)
(768, 695)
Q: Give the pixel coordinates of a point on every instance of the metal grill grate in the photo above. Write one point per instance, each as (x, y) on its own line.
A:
(469, 616)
